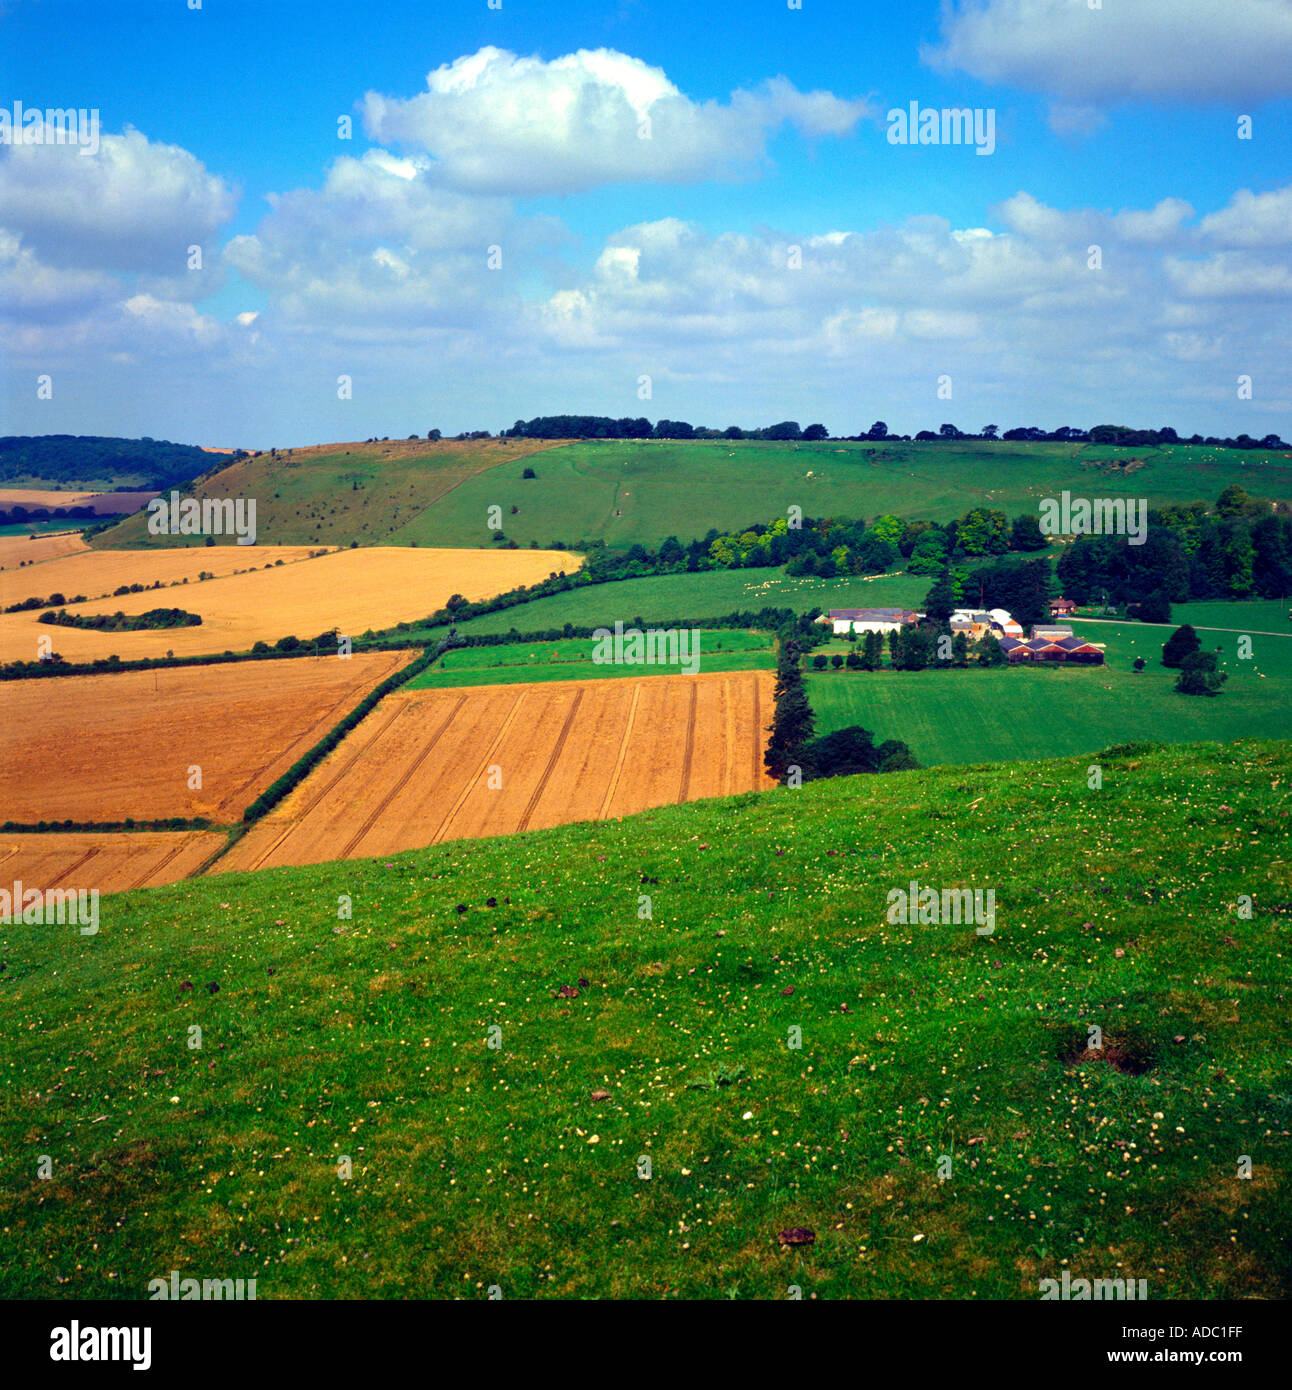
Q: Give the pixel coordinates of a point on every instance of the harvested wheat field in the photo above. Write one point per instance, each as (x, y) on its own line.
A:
(97, 573)
(33, 498)
(419, 769)
(15, 551)
(110, 863)
(104, 748)
(349, 590)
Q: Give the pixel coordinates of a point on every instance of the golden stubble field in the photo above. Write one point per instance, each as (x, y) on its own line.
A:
(104, 748)
(32, 498)
(350, 590)
(110, 863)
(96, 573)
(16, 552)
(432, 765)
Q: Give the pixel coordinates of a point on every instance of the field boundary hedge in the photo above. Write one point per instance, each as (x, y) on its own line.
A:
(110, 665)
(279, 788)
(129, 825)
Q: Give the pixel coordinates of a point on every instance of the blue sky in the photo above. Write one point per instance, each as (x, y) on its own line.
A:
(624, 258)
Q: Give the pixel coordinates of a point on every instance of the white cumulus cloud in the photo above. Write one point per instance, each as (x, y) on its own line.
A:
(136, 205)
(1156, 50)
(496, 122)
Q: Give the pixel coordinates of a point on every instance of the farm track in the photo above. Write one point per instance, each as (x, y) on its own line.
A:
(623, 755)
(158, 869)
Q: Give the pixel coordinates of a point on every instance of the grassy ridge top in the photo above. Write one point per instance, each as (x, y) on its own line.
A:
(366, 1038)
(626, 491)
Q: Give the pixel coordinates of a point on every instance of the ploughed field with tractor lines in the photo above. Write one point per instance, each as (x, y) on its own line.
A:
(189, 741)
(108, 861)
(433, 765)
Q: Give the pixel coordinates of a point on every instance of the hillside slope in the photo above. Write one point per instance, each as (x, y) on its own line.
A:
(364, 1038)
(642, 491)
(629, 492)
(333, 494)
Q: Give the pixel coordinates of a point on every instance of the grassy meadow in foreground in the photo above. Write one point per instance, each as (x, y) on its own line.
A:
(366, 1038)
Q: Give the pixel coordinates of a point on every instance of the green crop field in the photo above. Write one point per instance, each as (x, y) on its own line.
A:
(626, 491)
(345, 1130)
(571, 659)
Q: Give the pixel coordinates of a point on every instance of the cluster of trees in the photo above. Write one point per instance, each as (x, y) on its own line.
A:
(153, 619)
(917, 647)
(324, 644)
(604, 427)
(87, 458)
(1239, 548)
(1023, 588)
(793, 742)
(832, 546)
(18, 515)
(1199, 673)
(55, 600)
(1132, 438)
(827, 546)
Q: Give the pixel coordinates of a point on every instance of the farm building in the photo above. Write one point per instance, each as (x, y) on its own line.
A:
(1051, 631)
(972, 622)
(1072, 650)
(1061, 607)
(845, 620)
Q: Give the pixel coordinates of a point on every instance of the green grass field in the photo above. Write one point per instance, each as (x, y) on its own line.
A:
(1271, 655)
(628, 492)
(664, 597)
(1001, 715)
(571, 659)
(643, 491)
(40, 528)
(364, 1041)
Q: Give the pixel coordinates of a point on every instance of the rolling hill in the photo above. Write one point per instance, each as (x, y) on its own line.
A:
(626, 492)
